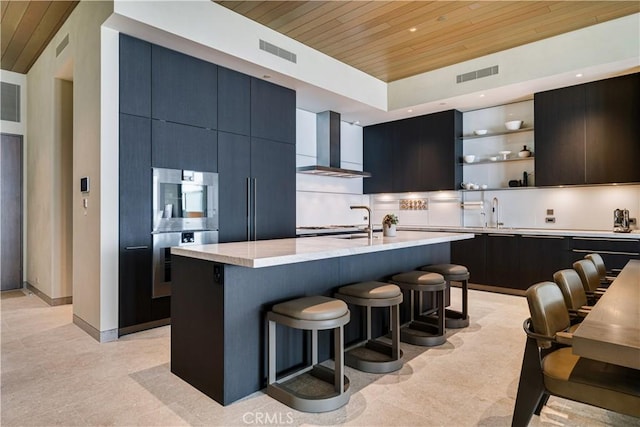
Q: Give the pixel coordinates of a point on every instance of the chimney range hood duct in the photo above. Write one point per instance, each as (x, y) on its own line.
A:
(328, 145)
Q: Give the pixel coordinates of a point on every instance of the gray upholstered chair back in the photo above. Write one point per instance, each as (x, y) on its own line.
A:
(588, 274)
(571, 287)
(548, 311)
(597, 260)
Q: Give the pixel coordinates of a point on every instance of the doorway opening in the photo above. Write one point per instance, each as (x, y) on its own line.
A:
(11, 245)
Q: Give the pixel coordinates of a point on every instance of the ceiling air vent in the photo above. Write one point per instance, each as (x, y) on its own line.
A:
(478, 74)
(278, 51)
(10, 110)
(62, 45)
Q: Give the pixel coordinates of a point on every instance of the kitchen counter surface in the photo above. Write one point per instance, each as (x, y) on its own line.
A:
(635, 234)
(267, 253)
(531, 231)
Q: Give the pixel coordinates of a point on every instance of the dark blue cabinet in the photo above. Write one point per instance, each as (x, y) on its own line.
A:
(179, 146)
(378, 158)
(273, 168)
(135, 221)
(234, 155)
(183, 89)
(273, 112)
(416, 154)
(588, 134)
(257, 188)
(234, 102)
(135, 73)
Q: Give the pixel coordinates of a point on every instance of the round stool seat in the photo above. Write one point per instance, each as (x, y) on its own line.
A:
(453, 272)
(371, 290)
(312, 308)
(431, 281)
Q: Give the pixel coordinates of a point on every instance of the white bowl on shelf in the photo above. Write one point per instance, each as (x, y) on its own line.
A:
(493, 158)
(513, 125)
(469, 158)
(480, 132)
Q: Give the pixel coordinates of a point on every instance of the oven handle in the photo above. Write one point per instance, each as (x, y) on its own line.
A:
(133, 248)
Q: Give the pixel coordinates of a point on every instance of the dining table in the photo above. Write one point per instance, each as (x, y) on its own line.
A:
(611, 331)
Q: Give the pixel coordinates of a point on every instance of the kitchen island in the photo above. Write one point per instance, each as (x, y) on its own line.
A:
(222, 292)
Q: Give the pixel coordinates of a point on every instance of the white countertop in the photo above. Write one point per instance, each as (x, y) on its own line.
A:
(635, 234)
(267, 253)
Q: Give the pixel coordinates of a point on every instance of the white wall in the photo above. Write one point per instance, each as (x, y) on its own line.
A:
(323, 200)
(79, 61)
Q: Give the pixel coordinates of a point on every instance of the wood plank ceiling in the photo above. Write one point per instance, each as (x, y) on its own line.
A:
(392, 40)
(27, 28)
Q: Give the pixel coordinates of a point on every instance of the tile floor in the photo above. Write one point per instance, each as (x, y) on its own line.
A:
(52, 373)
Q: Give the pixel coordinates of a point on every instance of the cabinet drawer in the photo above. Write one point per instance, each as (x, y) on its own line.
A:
(616, 246)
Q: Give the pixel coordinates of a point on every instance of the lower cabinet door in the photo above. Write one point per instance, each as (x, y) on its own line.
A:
(503, 261)
(135, 285)
(541, 256)
(472, 254)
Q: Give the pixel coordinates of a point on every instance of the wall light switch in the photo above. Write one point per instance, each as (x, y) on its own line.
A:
(550, 220)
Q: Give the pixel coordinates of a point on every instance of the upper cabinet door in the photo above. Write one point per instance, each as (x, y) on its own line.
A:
(177, 146)
(441, 148)
(234, 102)
(613, 130)
(560, 136)
(378, 158)
(183, 89)
(135, 76)
(407, 155)
(273, 112)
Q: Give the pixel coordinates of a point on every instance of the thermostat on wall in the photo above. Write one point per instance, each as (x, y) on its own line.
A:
(84, 184)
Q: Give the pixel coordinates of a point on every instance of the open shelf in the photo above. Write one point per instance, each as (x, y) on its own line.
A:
(489, 135)
(485, 162)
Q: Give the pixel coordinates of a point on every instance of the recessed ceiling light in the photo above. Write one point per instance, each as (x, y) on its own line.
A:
(482, 95)
(579, 75)
(409, 111)
(413, 29)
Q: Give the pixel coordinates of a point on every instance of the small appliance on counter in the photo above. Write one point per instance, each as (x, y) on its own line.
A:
(621, 221)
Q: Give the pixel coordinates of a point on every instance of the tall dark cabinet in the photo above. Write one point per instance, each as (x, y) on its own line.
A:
(180, 112)
(416, 154)
(588, 134)
(135, 250)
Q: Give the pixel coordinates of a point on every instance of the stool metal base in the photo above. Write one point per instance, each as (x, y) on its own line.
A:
(421, 333)
(308, 403)
(455, 320)
(382, 361)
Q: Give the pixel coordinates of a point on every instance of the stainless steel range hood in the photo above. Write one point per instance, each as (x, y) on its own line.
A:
(328, 145)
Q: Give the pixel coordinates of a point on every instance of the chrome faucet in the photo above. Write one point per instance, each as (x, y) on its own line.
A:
(369, 229)
(496, 211)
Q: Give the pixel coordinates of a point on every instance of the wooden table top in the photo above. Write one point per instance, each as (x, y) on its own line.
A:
(611, 331)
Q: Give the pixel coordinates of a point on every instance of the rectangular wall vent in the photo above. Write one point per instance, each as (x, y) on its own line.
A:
(62, 45)
(278, 51)
(10, 108)
(478, 74)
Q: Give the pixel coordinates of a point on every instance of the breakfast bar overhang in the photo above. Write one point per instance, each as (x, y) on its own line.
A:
(221, 293)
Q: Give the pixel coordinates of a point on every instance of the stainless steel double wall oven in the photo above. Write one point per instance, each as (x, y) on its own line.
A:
(185, 212)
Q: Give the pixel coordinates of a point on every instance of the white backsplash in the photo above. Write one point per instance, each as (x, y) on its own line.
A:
(322, 200)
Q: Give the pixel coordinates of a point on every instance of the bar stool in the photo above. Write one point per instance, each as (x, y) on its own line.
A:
(310, 313)
(454, 273)
(424, 330)
(381, 357)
